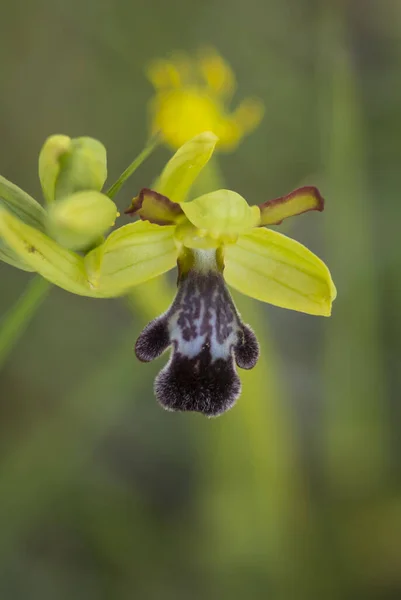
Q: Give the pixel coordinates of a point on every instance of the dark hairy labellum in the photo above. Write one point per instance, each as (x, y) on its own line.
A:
(207, 338)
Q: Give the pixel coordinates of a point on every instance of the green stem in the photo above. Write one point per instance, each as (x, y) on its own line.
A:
(147, 151)
(17, 319)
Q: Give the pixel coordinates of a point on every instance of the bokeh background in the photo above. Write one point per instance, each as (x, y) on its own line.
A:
(295, 493)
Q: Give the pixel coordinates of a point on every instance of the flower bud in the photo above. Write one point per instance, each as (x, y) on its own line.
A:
(77, 221)
(70, 165)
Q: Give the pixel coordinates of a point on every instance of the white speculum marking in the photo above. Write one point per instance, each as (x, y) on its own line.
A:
(203, 316)
(207, 338)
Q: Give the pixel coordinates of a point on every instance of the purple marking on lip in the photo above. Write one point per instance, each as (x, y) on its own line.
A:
(207, 338)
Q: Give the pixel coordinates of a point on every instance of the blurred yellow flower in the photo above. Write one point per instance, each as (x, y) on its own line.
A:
(192, 96)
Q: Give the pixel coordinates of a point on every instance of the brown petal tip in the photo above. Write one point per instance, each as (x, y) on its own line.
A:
(151, 206)
(301, 200)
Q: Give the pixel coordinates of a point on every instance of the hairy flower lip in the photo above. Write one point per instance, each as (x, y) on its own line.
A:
(207, 339)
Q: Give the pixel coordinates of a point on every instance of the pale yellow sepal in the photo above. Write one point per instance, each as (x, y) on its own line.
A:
(130, 255)
(77, 221)
(43, 255)
(21, 204)
(271, 267)
(222, 215)
(11, 258)
(70, 165)
(184, 167)
(297, 202)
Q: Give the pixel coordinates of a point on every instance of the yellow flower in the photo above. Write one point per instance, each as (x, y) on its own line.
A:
(192, 96)
(215, 239)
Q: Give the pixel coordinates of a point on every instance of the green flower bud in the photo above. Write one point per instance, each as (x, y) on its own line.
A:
(70, 165)
(79, 220)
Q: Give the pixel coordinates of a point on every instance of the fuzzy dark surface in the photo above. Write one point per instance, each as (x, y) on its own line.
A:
(202, 319)
(198, 384)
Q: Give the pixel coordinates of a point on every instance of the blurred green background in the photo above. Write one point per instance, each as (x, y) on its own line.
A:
(295, 493)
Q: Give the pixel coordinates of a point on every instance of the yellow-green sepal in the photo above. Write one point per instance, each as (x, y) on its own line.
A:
(131, 255)
(8, 256)
(21, 204)
(184, 167)
(155, 208)
(43, 255)
(301, 200)
(77, 221)
(221, 215)
(70, 165)
(271, 267)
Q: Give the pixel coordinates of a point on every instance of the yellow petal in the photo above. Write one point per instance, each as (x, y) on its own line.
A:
(130, 255)
(222, 214)
(163, 74)
(299, 201)
(217, 73)
(181, 114)
(43, 255)
(271, 267)
(184, 167)
(249, 114)
(231, 128)
(229, 133)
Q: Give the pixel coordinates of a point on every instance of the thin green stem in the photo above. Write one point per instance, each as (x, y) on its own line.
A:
(147, 151)
(17, 319)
